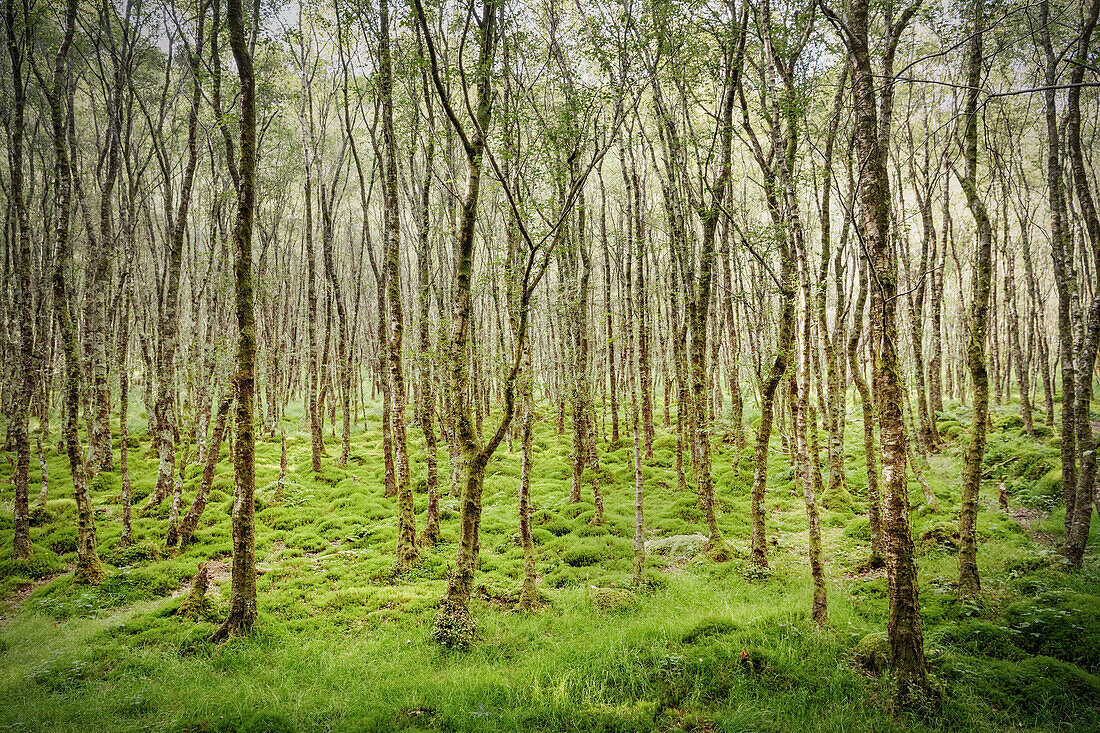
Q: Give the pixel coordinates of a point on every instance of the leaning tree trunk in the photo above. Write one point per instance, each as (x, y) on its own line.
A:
(191, 520)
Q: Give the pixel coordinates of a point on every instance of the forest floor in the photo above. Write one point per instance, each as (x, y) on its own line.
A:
(341, 646)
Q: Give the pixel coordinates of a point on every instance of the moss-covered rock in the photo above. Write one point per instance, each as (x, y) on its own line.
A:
(611, 600)
(678, 547)
(872, 653)
(940, 536)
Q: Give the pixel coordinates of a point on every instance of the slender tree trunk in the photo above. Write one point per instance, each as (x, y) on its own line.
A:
(198, 505)
(1063, 277)
(406, 524)
(528, 594)
(18, 432)
(88, 570)
(969, 583)
(242, 609)
(1078, 535)
(904, 622)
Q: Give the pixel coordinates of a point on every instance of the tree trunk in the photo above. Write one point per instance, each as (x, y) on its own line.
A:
(191, 520)
(18, 432)
(242, 609)
(406, 524)
(904, 623)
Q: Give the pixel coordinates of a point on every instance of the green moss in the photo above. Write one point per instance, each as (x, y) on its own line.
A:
(858, 528)
(1042, 688)
(836, 499)
(145, 550)
(40, 564)
(977, 637)
(1059, 624)
(942, 536)
(708, 629)
(584, 555)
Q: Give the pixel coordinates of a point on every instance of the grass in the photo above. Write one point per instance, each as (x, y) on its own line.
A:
(340, 647)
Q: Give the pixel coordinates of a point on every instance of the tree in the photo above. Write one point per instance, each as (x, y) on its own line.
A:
(242, 610)
(969, 583)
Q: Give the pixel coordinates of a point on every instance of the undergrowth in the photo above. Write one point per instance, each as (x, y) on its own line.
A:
(344, 645)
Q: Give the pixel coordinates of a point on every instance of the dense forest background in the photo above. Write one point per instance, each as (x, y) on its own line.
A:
(558, 365)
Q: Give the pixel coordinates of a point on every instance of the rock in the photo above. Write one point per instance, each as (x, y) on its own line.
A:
(677, 547)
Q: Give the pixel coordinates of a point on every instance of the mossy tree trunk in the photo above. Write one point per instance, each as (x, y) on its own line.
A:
(309, 154)
(406, 524)
(969, 582)
(88, 569)
(1089, 331)
(528, 594)
(426, 408)
(872, 113)
(1064, 279)
(18, 432)
(242, 609)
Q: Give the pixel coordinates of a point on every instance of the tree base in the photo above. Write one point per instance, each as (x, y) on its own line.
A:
(235, 625)
(718, 551)
(454, 627)
(88, 572)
